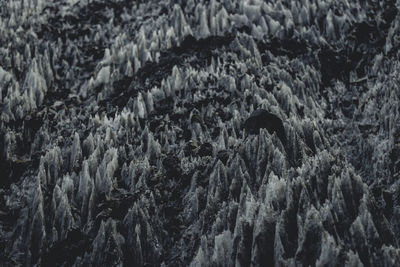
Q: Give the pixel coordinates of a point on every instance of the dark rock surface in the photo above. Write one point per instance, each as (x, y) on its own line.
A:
(199, 133)
(262, 119)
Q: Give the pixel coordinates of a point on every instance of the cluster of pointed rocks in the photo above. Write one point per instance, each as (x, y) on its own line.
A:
(199, 133)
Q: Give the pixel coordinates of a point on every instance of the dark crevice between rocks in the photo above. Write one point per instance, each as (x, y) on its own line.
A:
(8, 220)
(152, 73)
(91, 53)
(94, 13)
(67, 250)
(13, 168)
(172, 207)
(363, 42)
(116, 206)
(291, 48)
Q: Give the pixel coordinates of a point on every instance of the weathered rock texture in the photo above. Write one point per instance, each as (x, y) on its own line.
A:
(201, 133)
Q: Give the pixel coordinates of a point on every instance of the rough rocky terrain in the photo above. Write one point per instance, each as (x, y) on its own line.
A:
(199, 133)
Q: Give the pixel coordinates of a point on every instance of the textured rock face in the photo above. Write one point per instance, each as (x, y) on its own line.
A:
(123, 133)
